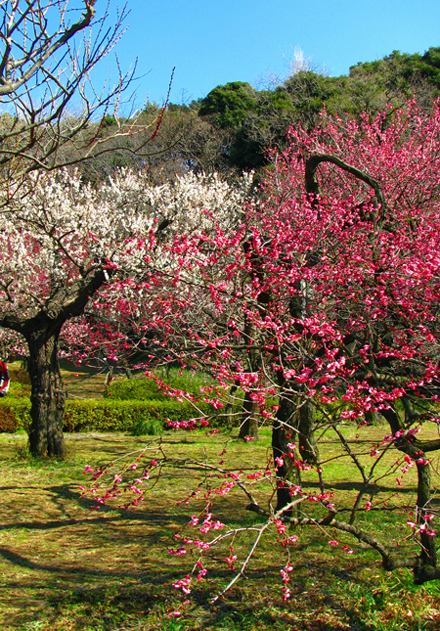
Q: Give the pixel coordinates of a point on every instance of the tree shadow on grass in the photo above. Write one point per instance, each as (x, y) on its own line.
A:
(60, 494)
(61, 590)
(357, 486)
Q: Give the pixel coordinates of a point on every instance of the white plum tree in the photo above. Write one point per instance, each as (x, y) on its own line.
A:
(64, 241)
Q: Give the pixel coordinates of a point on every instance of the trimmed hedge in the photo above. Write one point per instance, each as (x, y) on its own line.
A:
(99, 415)
(121, 416)
(14, 413)
(18, 390)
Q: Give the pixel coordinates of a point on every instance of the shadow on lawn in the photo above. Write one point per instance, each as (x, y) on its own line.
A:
(357, 486)
(72, 592)
(67, 495)
(65, 572)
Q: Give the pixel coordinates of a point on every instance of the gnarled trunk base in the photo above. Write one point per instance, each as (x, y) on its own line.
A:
(47, 396)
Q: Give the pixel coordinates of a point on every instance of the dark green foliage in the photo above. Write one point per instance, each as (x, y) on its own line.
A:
(17, 389)
(107, 121)
(404, 67)
(258, 120)
(121, 416)
(235, 125)
(131, 405)
(147, 428)
(14, 413)
(229, 104)
(394, 79)
(308, 92)
(8, 419)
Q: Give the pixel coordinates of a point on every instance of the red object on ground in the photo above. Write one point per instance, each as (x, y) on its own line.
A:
(4, 379)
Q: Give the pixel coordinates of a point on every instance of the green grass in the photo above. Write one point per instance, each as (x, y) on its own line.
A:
(64, 566)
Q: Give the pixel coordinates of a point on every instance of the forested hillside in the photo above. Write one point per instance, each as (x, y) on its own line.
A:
(233, 127)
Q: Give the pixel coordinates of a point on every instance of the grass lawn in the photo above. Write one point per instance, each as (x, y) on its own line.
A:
(65, 566)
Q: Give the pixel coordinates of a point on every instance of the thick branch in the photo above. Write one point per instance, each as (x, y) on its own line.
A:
(388, 562)
(312, 182)
(64, 303)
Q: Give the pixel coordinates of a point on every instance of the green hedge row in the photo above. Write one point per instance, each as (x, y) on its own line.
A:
(14, 413)
(100, 415)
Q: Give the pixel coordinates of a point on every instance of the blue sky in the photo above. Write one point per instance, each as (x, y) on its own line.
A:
(211, 42)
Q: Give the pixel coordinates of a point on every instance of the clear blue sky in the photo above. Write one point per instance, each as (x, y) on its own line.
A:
(216, 41)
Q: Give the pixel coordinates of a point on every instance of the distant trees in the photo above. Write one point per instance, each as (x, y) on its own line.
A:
(233, 128)
(258, 120)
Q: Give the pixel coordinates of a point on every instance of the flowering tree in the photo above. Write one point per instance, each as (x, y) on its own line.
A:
(351, 271)
(64, 241)
(48, 52)
(60, 247)
(336, 293)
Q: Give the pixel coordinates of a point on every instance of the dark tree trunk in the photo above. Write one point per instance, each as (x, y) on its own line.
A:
(47, 396)
(307, 442)
(428, 554)
(426, 567)
(281, 436)
(41, 332)
(249, 425)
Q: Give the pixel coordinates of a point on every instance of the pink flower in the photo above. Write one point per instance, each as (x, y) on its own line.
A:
(201, 575)
(230, 560)
(183, 584)
(423, 461)
(177, 552)
(194, 520)
(281, 528)
(217, 525)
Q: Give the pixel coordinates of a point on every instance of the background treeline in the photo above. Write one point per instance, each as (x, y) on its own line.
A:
(233, 127)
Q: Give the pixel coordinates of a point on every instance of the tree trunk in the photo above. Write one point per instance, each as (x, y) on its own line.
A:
(307, 441)
(281, 436)
(249, 425)
(428, 554)
(41, 332)
(47, 396)
(426, 567)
